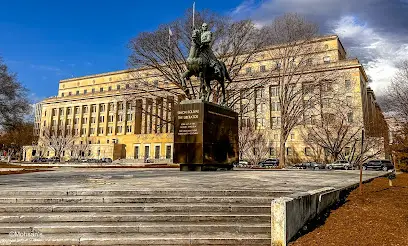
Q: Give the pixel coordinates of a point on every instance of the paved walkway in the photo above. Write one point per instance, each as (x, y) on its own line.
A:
(146, 179)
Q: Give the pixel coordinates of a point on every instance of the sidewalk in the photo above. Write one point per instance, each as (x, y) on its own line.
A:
(379, 217)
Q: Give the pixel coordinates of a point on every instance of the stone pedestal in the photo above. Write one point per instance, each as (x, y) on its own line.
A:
(205, 136)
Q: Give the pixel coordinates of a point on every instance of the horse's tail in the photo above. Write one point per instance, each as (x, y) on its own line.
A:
(226, 74)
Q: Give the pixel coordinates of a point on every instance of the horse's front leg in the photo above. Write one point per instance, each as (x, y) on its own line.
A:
(185, 76)
(203, 89)
(208, 88)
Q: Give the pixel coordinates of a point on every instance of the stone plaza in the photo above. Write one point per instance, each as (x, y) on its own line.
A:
(97, 206)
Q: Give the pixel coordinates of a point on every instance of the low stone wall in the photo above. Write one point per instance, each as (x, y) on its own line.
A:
(290, 214)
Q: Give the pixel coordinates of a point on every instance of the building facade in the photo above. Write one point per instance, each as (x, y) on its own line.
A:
(110, 115)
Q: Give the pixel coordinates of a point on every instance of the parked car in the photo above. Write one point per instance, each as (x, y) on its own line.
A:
(384, 165)
(269, 163)
(54, 159)
(340, 164)
(107, 160)
(39, 159)
(310, 165)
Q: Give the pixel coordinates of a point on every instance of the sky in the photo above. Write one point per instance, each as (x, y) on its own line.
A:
(46, 41)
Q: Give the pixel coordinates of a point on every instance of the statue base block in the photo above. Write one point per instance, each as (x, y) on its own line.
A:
(205, 136)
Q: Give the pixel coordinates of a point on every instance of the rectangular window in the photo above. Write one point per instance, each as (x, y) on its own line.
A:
(120, 117)
(76, 121)
(347, 84)
(308, 151)
(275, 106)
(77, 93)
(85, 121)
(274, 91)
(248, 70)
(100, 130)
(111, 106)
(326, 59)
(93, 90)
(109, 88)
(83, 132)
(61, 111)
(347, 151)
(111, 118)
(118, 87)
(349, 100)
(68, 111)
(146, 153)
(127, 86)
(136, 154)
(93, 108)
(292, 136)
(93, 119)
(102, 107)
(350, 117)
(62, 94)
(129, 117)
(157, 152)
(128, 129)
(262, 68)
(85, 91)
(101, 89)
(101, 119)
(110, 130)
(289, 151)
(120, 105)
(69, 93)
(278, 65)
(119, 129)
(92, 130)
(168, 152)
(272, 151)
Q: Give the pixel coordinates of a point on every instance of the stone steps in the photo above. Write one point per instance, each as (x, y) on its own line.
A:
(139, 199)
(133, 227)
(213, 238)
(164, 192)
(135, 207)
(135, 217)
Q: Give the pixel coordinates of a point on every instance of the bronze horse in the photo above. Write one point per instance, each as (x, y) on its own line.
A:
(198, 64)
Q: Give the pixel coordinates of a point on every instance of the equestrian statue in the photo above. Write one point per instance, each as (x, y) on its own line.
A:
(202, 63)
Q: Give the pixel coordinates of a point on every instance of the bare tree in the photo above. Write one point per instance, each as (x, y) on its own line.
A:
(297, 56)
(81, 150)
(13, 99)
(160, 58)
(254, 144)
(57, 142)
(396, 99)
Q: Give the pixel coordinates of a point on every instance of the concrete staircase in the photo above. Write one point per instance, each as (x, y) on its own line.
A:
(135, 217)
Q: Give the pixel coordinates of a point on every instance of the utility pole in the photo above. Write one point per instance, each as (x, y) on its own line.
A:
(361, 163)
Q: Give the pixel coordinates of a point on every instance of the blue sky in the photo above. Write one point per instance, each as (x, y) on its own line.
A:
(46, 41)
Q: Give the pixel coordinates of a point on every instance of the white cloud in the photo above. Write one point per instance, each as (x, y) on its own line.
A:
(379, 53)
(374, 31)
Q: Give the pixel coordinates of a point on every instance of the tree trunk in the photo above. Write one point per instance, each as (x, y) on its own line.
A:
(282, 150)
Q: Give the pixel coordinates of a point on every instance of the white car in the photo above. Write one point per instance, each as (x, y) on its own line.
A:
(339, 165)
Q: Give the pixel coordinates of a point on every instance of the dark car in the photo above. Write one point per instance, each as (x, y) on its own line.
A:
(54, 159)
(269, 163)
(384, 165)
(310, 165)
(106, 160)
(39, 159)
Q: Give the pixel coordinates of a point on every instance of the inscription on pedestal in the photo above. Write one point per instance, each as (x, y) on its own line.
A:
(205, 134)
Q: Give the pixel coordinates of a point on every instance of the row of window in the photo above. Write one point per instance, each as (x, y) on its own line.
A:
(278, 65)
(102, 89)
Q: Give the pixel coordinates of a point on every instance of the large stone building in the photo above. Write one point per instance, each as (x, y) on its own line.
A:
(114, 118)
